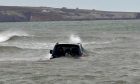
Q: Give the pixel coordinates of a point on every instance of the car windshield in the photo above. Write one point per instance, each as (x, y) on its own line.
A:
(62, 49)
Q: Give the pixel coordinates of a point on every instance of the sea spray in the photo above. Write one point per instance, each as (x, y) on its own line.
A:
(47, 57)
(75, 39)
(6, 35)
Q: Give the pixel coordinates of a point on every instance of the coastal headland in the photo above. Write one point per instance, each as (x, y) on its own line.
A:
(29, 14)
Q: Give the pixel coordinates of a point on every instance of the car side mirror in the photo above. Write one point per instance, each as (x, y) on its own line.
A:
(51, 51)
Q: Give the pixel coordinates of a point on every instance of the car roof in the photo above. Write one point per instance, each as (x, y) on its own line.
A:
(70, 44)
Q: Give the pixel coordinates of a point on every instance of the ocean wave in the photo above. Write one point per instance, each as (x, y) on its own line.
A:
(126, 38)
(6, 35)
(13, 53)
(94, 42)
(10, 47)
(18, 59)
(36, 45)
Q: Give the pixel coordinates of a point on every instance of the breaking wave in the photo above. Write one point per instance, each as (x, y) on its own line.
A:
(75, 39)
(6, 35)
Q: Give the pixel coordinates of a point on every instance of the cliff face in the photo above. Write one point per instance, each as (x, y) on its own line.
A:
(46, 17)
(20, 14)
(11, 16)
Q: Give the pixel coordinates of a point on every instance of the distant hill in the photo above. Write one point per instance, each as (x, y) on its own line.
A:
(26, 14)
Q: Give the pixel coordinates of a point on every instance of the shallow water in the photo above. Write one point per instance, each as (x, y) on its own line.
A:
(113, 52)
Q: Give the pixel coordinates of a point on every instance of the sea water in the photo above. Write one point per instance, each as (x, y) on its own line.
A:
(113, 48)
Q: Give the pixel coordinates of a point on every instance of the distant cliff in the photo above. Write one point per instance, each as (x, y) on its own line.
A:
(23, 14)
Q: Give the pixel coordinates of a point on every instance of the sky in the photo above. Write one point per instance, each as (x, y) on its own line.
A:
(106, 5)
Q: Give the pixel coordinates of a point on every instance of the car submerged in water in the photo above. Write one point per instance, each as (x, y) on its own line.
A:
(62, 50)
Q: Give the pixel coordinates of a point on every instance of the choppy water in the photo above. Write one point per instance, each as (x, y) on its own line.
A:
(113, 48)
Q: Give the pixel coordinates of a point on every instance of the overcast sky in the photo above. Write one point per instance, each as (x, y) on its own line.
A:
(107, 5)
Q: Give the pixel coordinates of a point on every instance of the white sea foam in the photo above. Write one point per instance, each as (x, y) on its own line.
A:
(47, 57)
(75, 39)
(6, 35)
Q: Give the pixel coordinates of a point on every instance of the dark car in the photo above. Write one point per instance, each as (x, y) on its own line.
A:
(74, 50)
